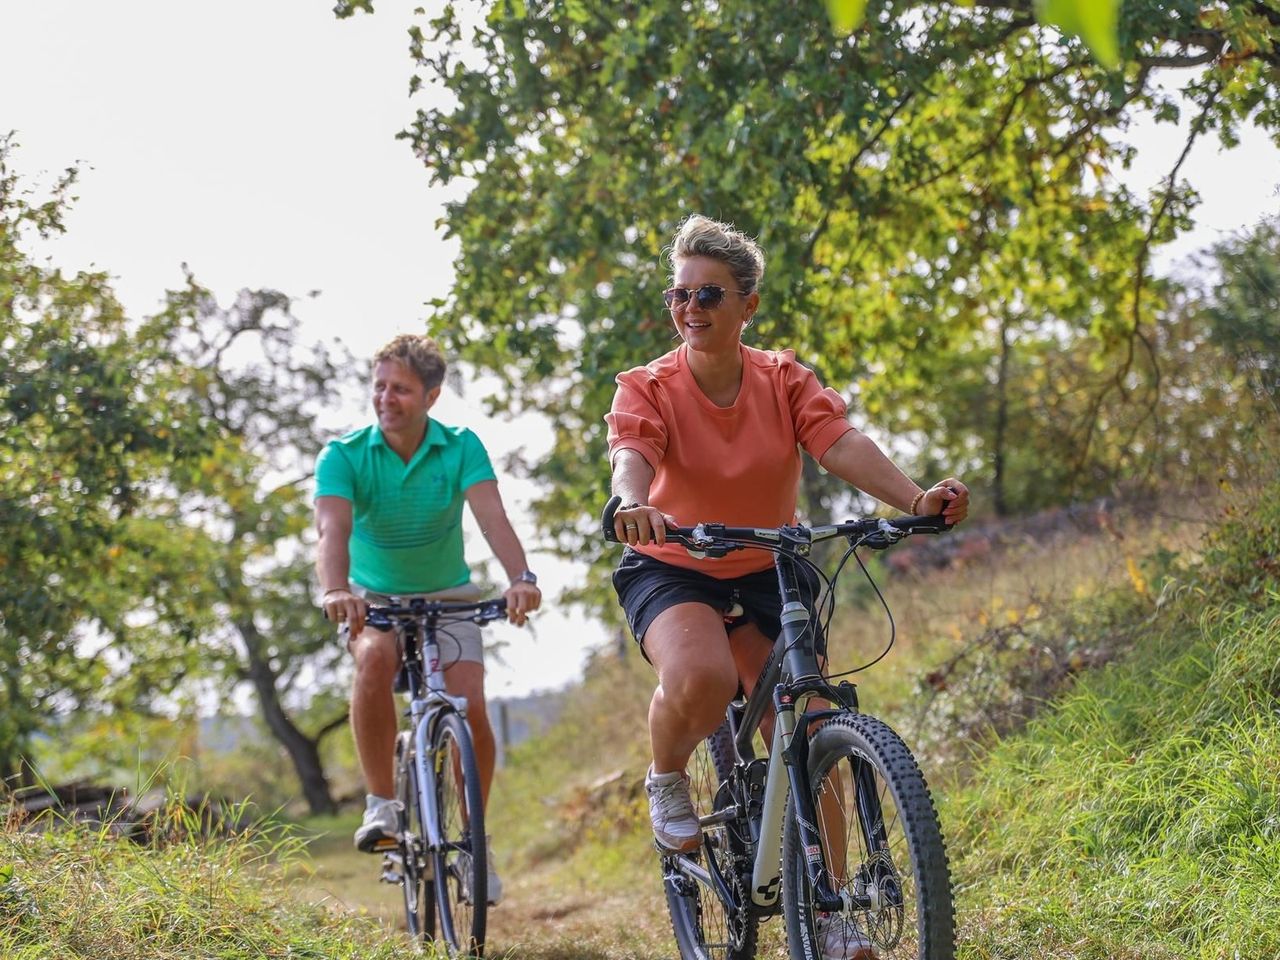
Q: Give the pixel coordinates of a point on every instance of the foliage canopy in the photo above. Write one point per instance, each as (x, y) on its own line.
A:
(951, 242)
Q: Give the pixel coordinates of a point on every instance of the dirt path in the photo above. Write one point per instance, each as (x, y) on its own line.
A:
(540, 919)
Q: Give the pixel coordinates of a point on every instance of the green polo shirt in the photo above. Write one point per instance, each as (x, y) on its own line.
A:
(406, 535)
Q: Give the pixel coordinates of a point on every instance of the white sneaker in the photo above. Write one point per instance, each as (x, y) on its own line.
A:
(381, 825)
(840, 939)
(675, 824)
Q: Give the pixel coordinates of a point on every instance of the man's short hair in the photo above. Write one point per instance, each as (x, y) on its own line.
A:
(419, 353)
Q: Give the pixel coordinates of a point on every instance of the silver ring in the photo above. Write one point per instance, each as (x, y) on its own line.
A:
(632, 526)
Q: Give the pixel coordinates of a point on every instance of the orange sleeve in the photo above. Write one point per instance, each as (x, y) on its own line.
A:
(818, 412)
(635, 423)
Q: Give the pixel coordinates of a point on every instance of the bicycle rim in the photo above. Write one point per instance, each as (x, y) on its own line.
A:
(419, 908)
(705, 927)
(880, 838)
(461, 875)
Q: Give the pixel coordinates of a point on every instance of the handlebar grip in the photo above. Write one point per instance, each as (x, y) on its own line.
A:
(933, 524)
(606, 518)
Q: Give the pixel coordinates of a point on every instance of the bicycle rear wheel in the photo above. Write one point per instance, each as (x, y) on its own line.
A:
(419, 905)
(461, 873)
(705, 927)
(880, 840)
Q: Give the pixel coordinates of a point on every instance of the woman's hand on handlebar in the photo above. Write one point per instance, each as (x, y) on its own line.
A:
(343, 606)
(950, 498)
(642, 524)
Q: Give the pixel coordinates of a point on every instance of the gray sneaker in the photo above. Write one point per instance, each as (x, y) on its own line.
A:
(493, 880)
(380, 828)
(675, 824)
(840, 939)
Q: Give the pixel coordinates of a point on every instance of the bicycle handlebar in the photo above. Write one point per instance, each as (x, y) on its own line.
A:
(715, 539)
(477, 611)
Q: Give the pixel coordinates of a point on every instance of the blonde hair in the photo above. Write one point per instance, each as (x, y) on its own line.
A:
(699, 236)
(417, 352)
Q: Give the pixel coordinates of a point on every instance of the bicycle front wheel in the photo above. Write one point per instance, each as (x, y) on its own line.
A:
(705, 926)
(461, 873)
(419, 907)
(881, 844)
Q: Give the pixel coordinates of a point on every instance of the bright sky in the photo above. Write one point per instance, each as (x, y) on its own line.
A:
(255, 141)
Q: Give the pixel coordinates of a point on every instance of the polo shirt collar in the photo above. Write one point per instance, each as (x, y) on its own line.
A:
(435, 438)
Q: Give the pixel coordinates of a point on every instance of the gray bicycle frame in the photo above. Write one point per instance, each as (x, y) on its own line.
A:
(791, 678)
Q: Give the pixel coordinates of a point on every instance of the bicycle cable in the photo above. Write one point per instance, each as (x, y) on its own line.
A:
(893, 627)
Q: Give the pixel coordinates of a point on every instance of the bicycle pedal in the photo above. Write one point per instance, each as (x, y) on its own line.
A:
(390, 876)
(386, 845)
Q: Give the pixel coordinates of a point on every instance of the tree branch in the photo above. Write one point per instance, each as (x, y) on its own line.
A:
(336, 723)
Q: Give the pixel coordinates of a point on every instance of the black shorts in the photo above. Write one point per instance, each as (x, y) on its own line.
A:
(647, 586)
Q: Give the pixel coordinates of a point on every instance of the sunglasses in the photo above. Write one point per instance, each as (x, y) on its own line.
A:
(709, 296)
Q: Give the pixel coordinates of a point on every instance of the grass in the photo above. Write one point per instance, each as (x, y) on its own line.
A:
(1141, 816)
(75, 892)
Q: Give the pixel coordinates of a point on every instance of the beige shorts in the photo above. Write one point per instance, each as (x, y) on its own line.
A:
(459, 640)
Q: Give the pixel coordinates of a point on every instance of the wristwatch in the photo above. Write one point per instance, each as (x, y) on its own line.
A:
(527, 577)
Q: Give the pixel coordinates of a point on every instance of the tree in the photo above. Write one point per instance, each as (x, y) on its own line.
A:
(1245, 304)
(91, 424)
(940, 184)
(263, 392)
(153, 501)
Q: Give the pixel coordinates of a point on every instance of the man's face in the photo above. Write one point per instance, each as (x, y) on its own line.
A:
(399, 398)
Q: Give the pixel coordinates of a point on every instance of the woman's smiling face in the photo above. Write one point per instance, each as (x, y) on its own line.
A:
(717, 329)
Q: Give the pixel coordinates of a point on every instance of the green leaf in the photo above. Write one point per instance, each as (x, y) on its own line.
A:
(846, 15)
(1094, 21)
(6, 873)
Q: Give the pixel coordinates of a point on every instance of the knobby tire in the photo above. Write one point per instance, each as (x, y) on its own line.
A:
(906, 865)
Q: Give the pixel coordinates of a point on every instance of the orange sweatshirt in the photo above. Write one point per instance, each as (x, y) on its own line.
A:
(738, 465)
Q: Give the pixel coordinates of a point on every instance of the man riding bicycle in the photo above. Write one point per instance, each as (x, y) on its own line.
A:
(388, 501)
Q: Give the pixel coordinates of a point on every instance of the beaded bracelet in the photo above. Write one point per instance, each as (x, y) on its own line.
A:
(916, 501)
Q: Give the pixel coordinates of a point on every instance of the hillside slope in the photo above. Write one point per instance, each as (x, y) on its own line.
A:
(1141, 816)
(1095, 712)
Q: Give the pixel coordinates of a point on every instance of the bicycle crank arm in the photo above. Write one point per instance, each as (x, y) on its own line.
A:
(720, 816)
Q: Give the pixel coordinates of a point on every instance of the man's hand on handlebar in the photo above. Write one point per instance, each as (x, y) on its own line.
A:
(522, 599)
(642, 524)
(343, 606)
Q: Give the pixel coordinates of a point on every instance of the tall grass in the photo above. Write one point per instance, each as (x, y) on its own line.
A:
(1141, 816)
(73, 892)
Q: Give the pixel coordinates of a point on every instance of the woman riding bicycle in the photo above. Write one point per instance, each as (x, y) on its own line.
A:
(710, 431)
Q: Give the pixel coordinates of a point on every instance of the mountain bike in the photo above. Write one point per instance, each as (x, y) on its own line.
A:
(838, 815)
(439, 857)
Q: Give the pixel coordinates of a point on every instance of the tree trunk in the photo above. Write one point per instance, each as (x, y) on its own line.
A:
(303, 751)
(1002, 423)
